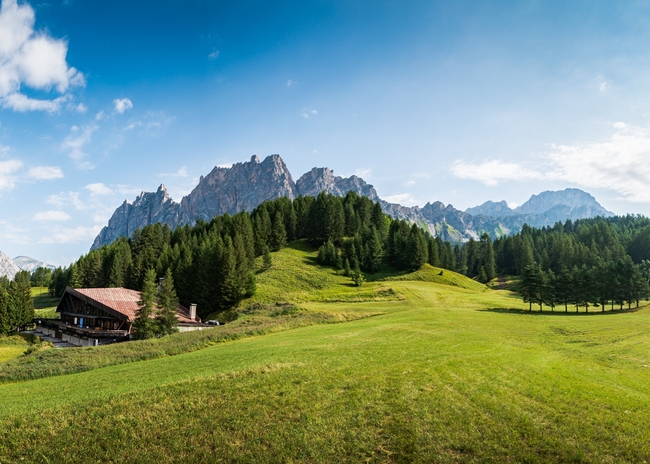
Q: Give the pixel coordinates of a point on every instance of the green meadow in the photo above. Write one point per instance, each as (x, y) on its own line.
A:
(427, 367)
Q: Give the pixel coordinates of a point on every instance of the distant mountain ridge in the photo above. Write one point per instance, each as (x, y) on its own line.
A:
(10, 267)
(244, 186)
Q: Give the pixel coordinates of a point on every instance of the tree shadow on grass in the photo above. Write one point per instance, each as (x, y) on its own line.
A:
(546, 312)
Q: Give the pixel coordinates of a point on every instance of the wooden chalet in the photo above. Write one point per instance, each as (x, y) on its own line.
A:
(95, 316)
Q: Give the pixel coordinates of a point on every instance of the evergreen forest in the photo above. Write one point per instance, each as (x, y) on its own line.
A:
(585, 263)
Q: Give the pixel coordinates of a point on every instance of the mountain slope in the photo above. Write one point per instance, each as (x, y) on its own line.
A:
(30, 264)
(7, 266)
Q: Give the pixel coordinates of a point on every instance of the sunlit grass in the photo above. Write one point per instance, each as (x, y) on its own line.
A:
(440, 374)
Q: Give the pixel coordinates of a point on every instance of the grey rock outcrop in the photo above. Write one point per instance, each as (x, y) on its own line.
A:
(323, 180)
(491, 208)
(148, 208)
(8, 267)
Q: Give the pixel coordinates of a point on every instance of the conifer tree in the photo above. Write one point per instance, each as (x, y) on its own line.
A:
(482, 275)
(267, 259)
(144, 325)
(278, 232)
(434, 258)
(4, 312)
(529, 285)
(564, 288)
(374, 253)
(166, 318)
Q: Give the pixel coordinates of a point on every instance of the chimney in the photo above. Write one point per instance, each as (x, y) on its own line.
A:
(192, 311)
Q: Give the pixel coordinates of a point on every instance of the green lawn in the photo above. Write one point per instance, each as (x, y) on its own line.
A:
(440, 373)
(12, 347)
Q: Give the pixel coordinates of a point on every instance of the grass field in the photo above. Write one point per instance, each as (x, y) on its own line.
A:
(439, 373)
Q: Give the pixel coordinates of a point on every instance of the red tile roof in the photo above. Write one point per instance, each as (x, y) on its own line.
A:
(123, 301)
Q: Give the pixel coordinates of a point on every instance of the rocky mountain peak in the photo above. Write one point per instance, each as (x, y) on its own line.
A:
(243, 186)
(491, 208)
(8, 267)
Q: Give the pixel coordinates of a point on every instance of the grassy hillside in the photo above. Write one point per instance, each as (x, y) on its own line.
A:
(441, 373)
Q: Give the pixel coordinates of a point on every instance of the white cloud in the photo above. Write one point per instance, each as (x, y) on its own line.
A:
(45, 172)
(619, 164)
(99, 116)
(404, 199)
(122, 104)
(492, 172)
(7, 170)
(291, 83)
(214, 55)
(602, 87)
(307, 114)
(364, 173)
(182, 172)
(21, 103)
(32, 59)
(66, 198)
(144, 125)
(51, 216)
(81, 108)
(98, 189)
(75, 235)
(75, 142)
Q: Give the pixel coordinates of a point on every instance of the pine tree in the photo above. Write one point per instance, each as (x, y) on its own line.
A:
(278, 232)
(267, 259)
(374, 253)
(5, 326)
(482, 275)
(20, 305)
(487, 252)
(564, 287)
(417, 249)
(144, 325)
(550, 289)
(166, 318)
(529, 285)
(434, 258)
(229, 290)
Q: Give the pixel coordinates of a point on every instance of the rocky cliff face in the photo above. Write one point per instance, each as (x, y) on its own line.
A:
(244, 186)
(8, 267)
(323, 180)
(239, 188)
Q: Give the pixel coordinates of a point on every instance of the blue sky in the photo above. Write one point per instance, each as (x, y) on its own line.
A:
(460, 102)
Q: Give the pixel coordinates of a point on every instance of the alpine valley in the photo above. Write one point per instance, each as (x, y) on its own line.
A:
(245, 185)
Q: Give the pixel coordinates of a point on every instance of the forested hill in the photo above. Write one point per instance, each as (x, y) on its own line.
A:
(214, 263)
(244, 186)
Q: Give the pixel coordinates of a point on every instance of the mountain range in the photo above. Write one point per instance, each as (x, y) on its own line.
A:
(243, 186)
(10, 267)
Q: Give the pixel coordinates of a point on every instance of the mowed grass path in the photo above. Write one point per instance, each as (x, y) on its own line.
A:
(438, 377)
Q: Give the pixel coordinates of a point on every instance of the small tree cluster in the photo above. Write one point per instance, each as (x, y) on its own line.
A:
(16, 303)
(614, 283)
(157, 315)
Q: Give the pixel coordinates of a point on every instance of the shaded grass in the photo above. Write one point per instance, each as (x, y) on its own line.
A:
(42, 299)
